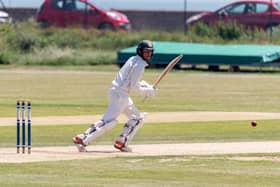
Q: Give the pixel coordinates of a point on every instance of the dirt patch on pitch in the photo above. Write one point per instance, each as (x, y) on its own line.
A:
(39, 154)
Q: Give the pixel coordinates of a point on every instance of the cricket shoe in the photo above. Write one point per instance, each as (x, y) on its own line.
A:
(79, 144)
(121, 146)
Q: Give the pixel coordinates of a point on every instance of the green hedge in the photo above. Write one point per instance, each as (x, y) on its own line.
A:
(27, 44)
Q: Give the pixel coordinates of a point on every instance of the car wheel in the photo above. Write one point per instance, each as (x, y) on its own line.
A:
(272, 27)
(106, 26)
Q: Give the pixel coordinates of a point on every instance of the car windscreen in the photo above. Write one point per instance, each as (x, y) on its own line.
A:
(99, 4)
(277, 3)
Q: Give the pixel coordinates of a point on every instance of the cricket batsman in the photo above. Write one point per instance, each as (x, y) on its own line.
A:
(127, 79)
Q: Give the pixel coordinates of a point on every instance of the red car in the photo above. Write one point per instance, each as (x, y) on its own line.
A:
(252, 13)
(64, 13)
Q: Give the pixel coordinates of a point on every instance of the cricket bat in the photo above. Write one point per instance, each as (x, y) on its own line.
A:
(167, 69)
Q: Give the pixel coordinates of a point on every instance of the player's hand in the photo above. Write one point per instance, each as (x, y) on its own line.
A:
(144, 84)
(150, 91)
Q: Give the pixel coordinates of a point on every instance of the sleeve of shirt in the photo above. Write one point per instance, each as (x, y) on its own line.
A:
(136, 76)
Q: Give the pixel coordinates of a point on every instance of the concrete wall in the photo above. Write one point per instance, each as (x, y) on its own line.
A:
(140, 20)
(21, 14)
(158, 20)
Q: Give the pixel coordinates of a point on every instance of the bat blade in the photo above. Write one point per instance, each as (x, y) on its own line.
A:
(167, 69)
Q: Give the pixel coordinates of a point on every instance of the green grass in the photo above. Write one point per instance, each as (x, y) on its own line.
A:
(144, 171)
(70, 92)
(85, 92)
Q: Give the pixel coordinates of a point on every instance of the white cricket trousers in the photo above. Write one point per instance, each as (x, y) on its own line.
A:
(120, 103)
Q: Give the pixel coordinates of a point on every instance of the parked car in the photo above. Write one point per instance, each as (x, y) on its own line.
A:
(65, 13)
(252, 13)
(5, 17)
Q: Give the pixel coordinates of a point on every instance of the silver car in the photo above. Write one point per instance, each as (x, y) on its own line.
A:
(4, 17)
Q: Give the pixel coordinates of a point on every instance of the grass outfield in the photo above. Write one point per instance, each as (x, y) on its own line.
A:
(187, 171)
(83, 92)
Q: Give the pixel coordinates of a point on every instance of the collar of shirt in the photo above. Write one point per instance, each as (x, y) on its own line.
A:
(143, 61)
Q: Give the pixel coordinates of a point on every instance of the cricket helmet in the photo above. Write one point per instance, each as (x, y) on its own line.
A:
(144, 44)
